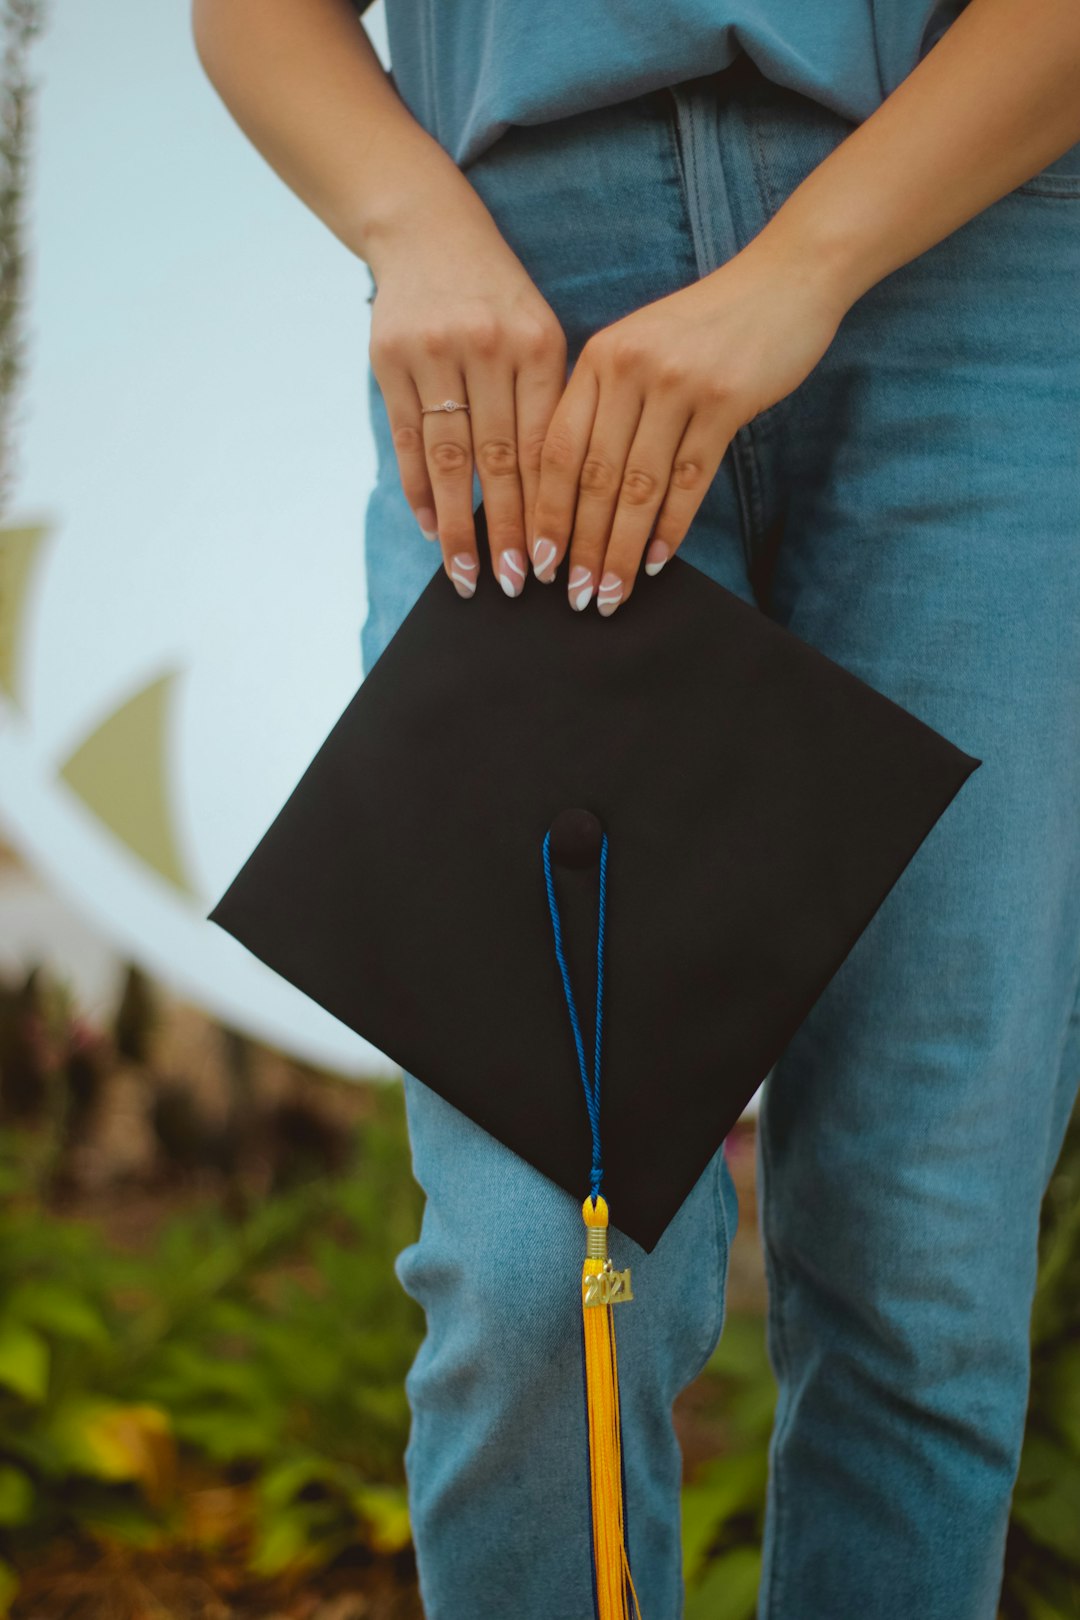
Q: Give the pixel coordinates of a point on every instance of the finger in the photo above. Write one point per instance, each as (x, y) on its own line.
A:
(695, 463)
(407, 435)
(539, 385)
(615, 425)
(493, 419)
(561, 458)
(650, 464)
(449, 456)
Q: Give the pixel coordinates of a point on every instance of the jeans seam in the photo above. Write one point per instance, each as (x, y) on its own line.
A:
(686, 168)
(686, 158)
(720, 1236)
(1067, 191)
(752, 124)
(742, 447)
(761, 168)
(719, 1243)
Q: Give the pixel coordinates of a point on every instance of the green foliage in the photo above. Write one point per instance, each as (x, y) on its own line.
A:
(267, 1342)
(723, 1507)
(728, 1589)
(273, 1345)
(1042, 1564)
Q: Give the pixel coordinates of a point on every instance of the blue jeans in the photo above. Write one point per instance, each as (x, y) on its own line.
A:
(913, 509)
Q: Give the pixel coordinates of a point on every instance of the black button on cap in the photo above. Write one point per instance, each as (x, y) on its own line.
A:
(576, 836)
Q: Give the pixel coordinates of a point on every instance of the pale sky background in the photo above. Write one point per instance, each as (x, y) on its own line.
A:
(197, 362)
(194, 432)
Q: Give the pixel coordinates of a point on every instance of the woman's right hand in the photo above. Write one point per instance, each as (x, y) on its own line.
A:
(456, 316)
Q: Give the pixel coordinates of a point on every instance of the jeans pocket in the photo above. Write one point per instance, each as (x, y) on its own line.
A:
(1059, 178)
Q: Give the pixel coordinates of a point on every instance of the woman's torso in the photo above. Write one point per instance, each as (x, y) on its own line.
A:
(469, 68)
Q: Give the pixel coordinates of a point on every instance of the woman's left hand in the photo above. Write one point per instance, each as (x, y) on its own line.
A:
(652, 404)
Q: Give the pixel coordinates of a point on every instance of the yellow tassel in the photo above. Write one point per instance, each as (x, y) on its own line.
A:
(601, 1288)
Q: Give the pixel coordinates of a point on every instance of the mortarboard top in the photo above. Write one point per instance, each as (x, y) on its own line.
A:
(759, 800)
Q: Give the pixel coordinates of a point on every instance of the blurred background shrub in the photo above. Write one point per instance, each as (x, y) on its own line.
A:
(203, 1342)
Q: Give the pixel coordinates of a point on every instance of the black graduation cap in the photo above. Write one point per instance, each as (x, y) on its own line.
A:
(683, 806)
(759, 802)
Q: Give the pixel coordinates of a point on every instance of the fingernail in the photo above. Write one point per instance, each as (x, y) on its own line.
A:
(512, 571)
(656, 556)
(463, 566)
(580, 588)
(544, 553)
(428, 523)
(609, 594)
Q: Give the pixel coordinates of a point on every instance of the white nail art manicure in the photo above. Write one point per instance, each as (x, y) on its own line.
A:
(544, 554)
(659, 553)
(463, 572)
(580, 588)
(511, 572)
(609, 594)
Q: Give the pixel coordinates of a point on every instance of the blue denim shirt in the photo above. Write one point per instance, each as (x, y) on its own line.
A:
(468, 68)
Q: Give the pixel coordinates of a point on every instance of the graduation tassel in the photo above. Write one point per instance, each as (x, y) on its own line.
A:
(602, 1287)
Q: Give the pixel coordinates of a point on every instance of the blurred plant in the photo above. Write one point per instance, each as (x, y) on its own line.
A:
(137, 1016)
(21, 21)
(236, 1386)
(274, 1348)
(723, 1505)
(1042, 1562)
(26, 1058)
(305, 1384)
(52, 1072)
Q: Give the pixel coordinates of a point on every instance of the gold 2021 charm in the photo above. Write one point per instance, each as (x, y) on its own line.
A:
(608, 1287)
